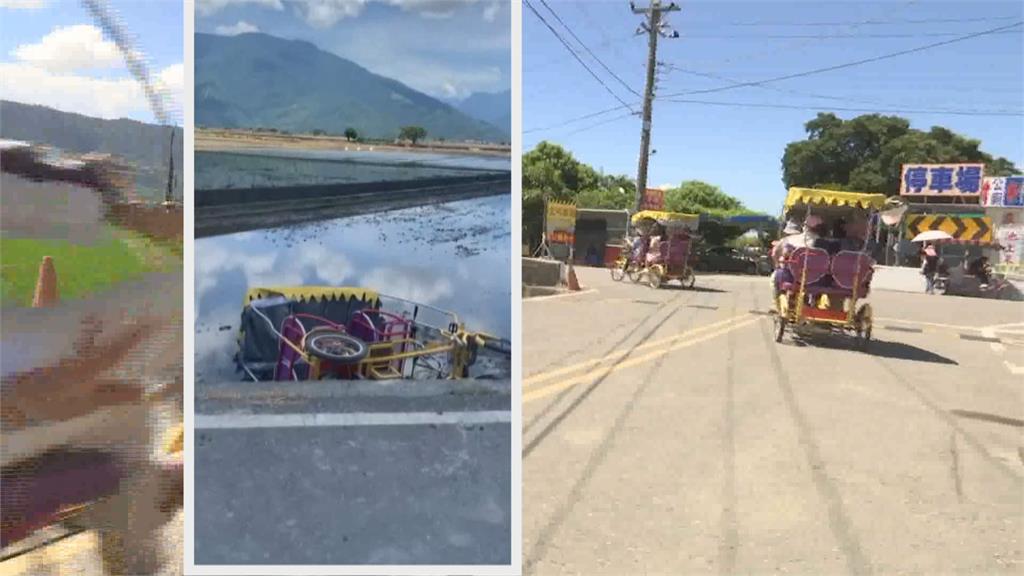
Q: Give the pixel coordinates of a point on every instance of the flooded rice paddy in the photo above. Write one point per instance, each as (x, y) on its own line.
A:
(453, 256)
(262, 168)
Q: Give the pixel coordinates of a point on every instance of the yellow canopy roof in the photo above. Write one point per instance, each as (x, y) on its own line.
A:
(666, 217)
(834, 198)
(303, 293)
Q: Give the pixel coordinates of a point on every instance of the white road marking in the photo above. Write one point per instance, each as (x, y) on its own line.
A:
(350, 419)
(997, 347)
(1013, 368)
(563, 295)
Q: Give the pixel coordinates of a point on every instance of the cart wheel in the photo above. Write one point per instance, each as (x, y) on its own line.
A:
(654, 278)
(617, 272)
(780, 326)
(337, 346)
(864, 326)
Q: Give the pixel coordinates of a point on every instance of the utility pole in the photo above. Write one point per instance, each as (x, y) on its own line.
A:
(654, 27)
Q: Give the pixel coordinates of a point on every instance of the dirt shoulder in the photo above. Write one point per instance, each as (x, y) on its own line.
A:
(218, 139)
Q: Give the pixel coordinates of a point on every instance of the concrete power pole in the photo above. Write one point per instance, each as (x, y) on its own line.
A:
(654, 28)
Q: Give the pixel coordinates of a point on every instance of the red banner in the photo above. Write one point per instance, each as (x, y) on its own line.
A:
(562, 237)
(654, 199)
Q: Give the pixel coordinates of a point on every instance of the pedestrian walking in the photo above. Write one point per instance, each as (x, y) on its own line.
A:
(929, 267)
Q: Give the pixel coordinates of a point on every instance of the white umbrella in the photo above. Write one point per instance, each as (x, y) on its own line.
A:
(931, 236)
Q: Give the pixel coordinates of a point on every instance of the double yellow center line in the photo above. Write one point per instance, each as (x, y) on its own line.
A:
(588, 370)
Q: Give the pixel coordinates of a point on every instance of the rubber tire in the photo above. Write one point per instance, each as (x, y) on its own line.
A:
(654, 279)
(361, 348)
(617, 273)
(780, 327)
(634, 275)
(690, 280)
(864, 329)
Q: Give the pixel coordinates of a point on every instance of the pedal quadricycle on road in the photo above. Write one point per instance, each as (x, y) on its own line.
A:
(666, 253)
(825, 272)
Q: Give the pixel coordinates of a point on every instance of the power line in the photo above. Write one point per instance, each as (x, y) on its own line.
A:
(574, 120)
(801, 43)
(848, 64)
(830, 68)
(589, 51)
(884, 23)
(601, 123)
(574, 55)
(783, 107)
(793, 92)
(820, 36)
(843, 109)
(954, 112)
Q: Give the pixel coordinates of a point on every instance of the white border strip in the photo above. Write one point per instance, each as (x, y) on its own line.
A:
(348, 419)
(189, 257)
(516, 291)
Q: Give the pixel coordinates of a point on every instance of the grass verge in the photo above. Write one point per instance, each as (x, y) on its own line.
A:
(82, 269)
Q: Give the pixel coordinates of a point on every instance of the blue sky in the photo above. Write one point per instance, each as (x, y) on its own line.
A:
(52, 53)
(740, 148)
(445, 48)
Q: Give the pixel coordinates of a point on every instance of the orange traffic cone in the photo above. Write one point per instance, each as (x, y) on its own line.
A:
(46, 286)
(571, 280)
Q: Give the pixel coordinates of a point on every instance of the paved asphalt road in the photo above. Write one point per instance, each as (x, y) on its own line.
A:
(665, 432)
(414, 472)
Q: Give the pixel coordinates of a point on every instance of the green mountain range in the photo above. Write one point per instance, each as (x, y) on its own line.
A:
(495, 108)
(145, 145)
(261, 81)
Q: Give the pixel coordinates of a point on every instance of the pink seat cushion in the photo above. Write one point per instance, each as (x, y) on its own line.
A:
(815, 260)
(851, 269)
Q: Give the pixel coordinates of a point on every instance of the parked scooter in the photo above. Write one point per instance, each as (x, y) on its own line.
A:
(942, 277)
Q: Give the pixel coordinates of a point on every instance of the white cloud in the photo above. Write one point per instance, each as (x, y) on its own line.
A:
(491, 12)
(326, 13)
(409, 286)
(23, 4)
(78, 47)
(171, 83)
(98, 97)
(207, 7)
(241, 27)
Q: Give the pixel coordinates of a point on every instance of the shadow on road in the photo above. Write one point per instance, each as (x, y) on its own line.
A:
(878, 348)
(994, 418)
(694, 289)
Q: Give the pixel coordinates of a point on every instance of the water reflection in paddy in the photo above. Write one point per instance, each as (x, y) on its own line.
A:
(454, 256)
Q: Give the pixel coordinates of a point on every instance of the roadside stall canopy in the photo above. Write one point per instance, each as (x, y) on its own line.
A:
(810, 196)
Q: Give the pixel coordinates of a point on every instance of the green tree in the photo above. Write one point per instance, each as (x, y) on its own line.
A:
(351, 135)
(696, 197)
(606, 198)
(866, 153)
(412, 133)
(551, 171)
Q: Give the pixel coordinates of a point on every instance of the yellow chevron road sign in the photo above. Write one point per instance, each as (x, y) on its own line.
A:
(969, 228)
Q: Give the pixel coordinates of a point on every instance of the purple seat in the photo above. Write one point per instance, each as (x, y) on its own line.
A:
(678, 251)
(851, 269)
(814, 260)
